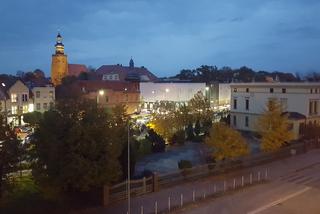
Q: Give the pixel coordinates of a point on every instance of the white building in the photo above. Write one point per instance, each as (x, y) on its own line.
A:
(178, 92)
(219, 95)
(299, 100)
(43, 98)
(16, 99)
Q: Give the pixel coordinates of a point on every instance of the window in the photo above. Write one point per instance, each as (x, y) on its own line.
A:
(25, 109)
(24, 97)
(14, 98)
(51, 105)
(315, 107)
(51, 94)
(301, 128)
(310, 107)
(235, 90)
(271, 90)
(37, 94)
(284, 90)
(316, 91)
(38, 106)
(247, 104)
(14, 109)
(247, 90)
(247, 121)
(107, 99)
(45, 106)
(311, 91)
(234, 103)
(234, 120)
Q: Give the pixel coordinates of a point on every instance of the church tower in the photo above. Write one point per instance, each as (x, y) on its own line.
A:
(59, 64)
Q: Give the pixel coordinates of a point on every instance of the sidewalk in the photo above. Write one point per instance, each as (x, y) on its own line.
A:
(202, 186)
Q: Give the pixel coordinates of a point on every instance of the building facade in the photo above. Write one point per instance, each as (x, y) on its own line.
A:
(219, 95)
(300, 101)
(177, 92)
(109, 93)
(43, 98)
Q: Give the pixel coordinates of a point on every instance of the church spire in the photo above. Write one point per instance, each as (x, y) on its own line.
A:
(59, 45)
(131, 63)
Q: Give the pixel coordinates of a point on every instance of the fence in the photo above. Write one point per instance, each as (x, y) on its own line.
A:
(178, 200)
(118, 192)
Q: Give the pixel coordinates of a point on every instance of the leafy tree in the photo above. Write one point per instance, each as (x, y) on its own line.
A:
(200, 107)
(10, 151)
(73, 148)
(32, 118)
(178, 137)
(189, 132)
(273, 127)
(197, 128)
(226, 142)
(158, 143)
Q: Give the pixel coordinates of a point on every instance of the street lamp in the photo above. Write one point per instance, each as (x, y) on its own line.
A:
(5, 104)
(128, 177)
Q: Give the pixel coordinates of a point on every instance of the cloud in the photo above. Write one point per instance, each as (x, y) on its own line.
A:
(164, 36)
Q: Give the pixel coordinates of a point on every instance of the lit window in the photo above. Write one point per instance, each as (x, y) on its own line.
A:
(25, 109)
(14, 109)
(14, 98)
(51, 94)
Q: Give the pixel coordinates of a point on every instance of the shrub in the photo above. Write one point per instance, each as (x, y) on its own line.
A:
(178, 137)
(184, 164)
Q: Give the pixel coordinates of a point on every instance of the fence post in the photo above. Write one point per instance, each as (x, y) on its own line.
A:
(106, 195)
(144, 183)
(181, 200)
(250, 178)
(156, 207)
(234, 183)
(193, 196)
(155, 182)
(169, 203)
(259, 176)
(204, 195)
(214, 188)
(141, 210)
(266, 174)
(242, 181)
(224, 186)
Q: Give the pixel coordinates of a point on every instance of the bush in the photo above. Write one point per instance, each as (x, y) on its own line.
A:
(143, 147)
(184, 164)
(178, 137)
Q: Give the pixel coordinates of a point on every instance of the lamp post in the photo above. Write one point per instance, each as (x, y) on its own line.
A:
(128, 141)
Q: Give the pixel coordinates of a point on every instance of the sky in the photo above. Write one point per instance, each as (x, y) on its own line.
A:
(163, 35)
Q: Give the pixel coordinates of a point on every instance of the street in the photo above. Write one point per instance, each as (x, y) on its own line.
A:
(295, 191)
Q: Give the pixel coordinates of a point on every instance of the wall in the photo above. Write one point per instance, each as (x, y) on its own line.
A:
(45, 99)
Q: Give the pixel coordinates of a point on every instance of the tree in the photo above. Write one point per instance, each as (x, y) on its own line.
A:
(273, 127)
(226, 142)
(189, 132)
(200, 107)
(32, 118)
(73, 148)
(158, 143)
(197, 128)
(10, 151)
(178, 137)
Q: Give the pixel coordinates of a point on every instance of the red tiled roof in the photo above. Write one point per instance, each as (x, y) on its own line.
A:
(95, 85)
(124, 71)
(76, 69)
